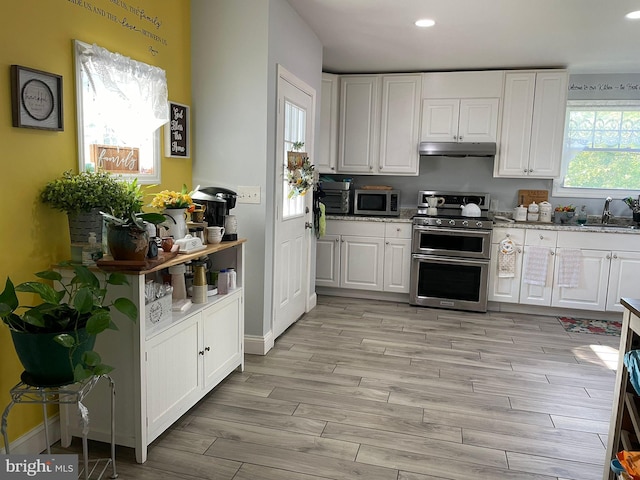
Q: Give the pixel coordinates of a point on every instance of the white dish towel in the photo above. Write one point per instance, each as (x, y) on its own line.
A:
(569, 268)
(536, 264)
(507, 259)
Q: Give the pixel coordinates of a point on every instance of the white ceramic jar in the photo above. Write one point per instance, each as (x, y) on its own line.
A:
(533, 212)
(546, 211)
(520, 214)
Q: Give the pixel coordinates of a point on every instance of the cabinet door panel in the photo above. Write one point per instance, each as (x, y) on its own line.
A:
(504, 289)
(222, 331)
(399, 121)
(537, 294)
(440, 120)
(397, 263)
(358, 122)
(328, 261)
(362, 262)
(328, 142)
(517, 117)
(173, 374)
(591, 292)
(547, 131)
(478, 120)
(624, 279)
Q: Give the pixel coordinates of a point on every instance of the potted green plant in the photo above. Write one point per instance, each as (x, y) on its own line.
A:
(54, 339)
(127, 236)
(81, 196)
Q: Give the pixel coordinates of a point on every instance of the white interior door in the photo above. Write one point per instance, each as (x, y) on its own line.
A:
(296, 103)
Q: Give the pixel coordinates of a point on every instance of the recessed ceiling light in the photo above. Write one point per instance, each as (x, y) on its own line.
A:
(633, 15)
(425, 22)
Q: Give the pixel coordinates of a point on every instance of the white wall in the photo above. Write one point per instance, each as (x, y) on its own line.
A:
(236, 45)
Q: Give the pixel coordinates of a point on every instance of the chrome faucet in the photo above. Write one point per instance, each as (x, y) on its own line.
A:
(606, 214)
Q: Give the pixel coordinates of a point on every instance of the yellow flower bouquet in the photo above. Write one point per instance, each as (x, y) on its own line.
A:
(171, 199)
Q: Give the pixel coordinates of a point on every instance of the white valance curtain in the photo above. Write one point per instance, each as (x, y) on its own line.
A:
(128, 95)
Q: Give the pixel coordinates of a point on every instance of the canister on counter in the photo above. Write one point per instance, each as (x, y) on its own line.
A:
(546, 210)
(533, 212)
(520, 214)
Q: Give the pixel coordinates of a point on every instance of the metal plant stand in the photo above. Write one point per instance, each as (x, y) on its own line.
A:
(72, 394)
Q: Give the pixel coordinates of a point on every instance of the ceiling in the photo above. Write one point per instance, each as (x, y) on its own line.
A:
(378, 36)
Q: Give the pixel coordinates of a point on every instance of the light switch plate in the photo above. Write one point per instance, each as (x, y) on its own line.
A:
(248, 194)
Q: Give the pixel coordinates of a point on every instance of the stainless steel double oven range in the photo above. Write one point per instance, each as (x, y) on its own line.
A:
(450, 253)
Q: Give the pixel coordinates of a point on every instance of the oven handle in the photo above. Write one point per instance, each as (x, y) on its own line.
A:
(452, 231)
(417, 257)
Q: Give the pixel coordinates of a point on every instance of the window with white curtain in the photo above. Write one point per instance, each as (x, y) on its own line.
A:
(122, 103)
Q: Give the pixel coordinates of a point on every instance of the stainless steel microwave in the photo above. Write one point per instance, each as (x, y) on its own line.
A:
(376, 202)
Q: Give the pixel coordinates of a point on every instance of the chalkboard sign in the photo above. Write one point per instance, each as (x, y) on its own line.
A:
(176, 132)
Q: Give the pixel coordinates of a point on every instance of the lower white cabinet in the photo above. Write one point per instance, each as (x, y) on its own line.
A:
(591, 291)
(160, 373)
(359, 255)
(624, 278)
(532, 294)
(362, 261)
(506, 289)
(606, 275)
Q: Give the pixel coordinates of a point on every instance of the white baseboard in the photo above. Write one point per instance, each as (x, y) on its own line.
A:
(312, 301)
(552, 311)
(255, 345)
(33, 442)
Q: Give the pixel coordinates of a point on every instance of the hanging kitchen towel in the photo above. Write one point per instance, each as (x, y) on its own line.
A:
(569, 268)
(535, 267)
(322, 221)
(507, 259)
(632, 362)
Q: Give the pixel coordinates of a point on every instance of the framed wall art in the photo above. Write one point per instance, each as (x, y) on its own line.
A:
(176, 132)
(36, 99)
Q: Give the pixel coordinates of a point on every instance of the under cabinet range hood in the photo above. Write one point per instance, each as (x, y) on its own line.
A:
(455, 149)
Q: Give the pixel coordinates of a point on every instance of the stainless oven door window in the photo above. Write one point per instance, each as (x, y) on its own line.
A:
(452, 242)
(449, 282)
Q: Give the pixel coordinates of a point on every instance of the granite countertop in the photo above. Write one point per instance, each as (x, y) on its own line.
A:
(406, 215)
(622, 228)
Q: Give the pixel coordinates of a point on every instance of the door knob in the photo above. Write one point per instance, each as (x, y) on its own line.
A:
(308, 225)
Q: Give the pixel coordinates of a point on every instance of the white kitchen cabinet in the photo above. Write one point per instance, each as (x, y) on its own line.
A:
(624, 278)
(328, 261)
(359, 124)
(397, 257)
(591, 291)
(328, 143)
(161, 372)
(538, 294)
(379, 122)
(533, 115)
(399, 125)
(459, 120)
(362, 262)
(359, 255)
(505, 289)
(174, 374)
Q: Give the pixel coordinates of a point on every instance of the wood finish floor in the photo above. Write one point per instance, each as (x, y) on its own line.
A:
(360, 389)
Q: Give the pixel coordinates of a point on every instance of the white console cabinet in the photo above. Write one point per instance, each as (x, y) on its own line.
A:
(161, 373)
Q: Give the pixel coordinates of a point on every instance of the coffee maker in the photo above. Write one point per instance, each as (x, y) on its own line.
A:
(218, 202)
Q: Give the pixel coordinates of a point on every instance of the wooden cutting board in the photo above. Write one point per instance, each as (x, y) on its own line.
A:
(525, 197)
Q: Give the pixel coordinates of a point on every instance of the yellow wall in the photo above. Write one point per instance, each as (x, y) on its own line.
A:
(38, 34)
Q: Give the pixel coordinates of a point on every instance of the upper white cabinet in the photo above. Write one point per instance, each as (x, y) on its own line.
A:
(459, 120)
(379, 124)
(328, 145)
(532, 131)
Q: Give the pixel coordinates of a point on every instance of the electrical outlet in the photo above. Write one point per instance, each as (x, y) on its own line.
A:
(248, 194)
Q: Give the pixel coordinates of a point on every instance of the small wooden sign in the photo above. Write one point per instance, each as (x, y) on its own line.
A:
(176, 132)
(525, 197)
(115, 159)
